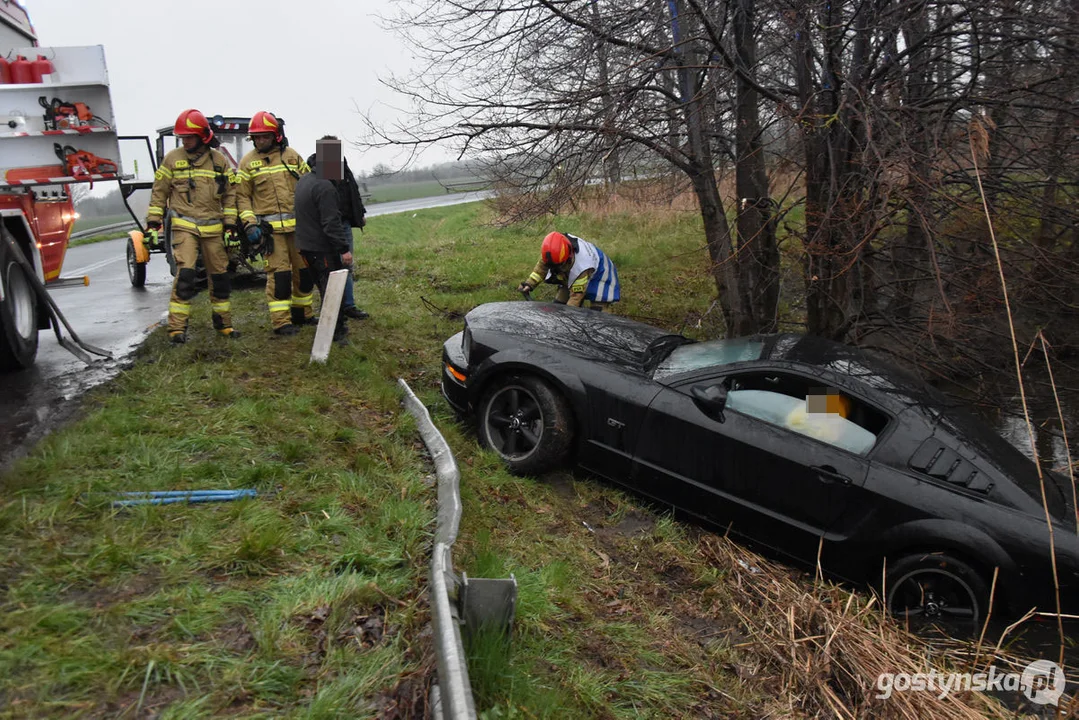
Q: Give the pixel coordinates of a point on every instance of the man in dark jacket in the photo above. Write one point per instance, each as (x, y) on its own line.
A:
(321, 237)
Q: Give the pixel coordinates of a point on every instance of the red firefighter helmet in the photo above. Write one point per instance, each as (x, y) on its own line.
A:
(556, 249)
(192, 122)
(264, 122)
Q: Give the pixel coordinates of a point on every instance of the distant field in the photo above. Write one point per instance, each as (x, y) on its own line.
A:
(91, 223)
(405, 191)
(379, 194)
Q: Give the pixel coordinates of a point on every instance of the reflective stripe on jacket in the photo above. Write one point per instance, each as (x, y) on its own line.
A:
(200, 190)
(267, 187)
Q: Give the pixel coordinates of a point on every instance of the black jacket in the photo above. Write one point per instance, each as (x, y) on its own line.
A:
(349, 200)
(318, 217)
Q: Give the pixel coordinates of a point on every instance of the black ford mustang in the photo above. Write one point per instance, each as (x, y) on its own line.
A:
(895, 475)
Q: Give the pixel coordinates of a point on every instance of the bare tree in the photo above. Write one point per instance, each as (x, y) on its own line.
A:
(860, 105)
(557, 92)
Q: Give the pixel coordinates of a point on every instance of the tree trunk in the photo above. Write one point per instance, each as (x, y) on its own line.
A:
(826, 289)
(909, 256)
(758, 255)
(611, 164)
(717, 233)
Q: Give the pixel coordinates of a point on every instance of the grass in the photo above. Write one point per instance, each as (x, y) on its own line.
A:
(308, 601)
(404, 191)
(98, 238)
(81, 223)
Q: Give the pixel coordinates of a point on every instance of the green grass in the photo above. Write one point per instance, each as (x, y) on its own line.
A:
(98, 238)
(90, 223)
(308, 601)
(404, 191)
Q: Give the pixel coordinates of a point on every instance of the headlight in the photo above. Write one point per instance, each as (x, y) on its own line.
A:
(466, 342)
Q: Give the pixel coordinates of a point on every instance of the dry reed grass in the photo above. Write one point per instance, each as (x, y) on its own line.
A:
(823, 648)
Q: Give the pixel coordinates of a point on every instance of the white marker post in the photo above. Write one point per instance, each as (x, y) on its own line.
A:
(327, 321)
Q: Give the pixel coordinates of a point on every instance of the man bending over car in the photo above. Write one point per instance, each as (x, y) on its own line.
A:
(580, 269)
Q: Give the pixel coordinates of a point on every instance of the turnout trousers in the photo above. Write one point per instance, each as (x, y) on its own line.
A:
(289, 283)
(185, 252)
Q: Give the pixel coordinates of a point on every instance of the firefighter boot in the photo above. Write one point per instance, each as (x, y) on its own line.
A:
(221, 307)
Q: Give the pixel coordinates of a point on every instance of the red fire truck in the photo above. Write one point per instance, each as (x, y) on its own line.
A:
(56, 130)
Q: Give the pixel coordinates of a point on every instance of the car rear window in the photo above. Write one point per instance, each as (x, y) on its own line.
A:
(712, 353)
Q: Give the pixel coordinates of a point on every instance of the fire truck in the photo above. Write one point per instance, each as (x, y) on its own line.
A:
(57, 131)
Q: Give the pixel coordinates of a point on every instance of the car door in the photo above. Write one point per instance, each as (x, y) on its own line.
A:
(616, 405)
(771, 484)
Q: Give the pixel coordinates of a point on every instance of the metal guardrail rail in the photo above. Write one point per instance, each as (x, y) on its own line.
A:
(103, 229)
(454, 602)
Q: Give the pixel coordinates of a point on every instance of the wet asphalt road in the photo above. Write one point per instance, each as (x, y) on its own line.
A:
(111, 315)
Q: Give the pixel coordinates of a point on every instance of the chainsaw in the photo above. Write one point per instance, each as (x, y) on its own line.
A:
(61, 115)
(81, 163)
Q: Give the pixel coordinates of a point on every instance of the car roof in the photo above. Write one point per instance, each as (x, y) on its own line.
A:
(852, 366)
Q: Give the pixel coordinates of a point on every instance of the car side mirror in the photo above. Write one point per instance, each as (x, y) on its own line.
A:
(711, 399)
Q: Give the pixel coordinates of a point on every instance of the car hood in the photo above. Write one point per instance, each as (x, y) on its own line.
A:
(582, 332)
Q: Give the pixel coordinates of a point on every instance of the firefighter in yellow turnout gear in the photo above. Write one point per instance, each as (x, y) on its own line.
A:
(265, 196)
(197, 184)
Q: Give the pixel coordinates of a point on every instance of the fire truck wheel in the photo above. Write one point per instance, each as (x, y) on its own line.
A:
(136, 271)
(18, 315)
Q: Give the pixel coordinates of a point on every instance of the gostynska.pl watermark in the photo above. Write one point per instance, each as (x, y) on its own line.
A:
(1042, 681)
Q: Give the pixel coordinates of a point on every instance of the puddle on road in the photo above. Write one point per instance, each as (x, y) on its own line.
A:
(35, 404)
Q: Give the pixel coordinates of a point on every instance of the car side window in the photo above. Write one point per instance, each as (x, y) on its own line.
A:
(793, 403)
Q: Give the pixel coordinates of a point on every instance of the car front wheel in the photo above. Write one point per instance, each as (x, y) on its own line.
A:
(935, 588)
(527, 422)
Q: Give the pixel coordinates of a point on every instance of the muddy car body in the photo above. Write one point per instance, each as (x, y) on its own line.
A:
(907, 481)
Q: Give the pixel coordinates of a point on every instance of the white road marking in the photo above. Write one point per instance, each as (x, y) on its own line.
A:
(97, 266)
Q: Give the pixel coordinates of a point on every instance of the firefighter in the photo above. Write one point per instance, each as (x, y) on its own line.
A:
(265, 197)
(579, 268)
(197, 184)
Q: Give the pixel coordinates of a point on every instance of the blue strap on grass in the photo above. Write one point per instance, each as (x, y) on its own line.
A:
(171, 497)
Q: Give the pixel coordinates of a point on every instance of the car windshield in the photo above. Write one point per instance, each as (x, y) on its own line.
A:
(698, 356)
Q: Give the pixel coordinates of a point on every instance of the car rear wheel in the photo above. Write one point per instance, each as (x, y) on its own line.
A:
(935, 588)
(527, 422)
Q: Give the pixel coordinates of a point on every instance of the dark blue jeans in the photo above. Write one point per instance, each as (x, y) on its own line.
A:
(348, 300)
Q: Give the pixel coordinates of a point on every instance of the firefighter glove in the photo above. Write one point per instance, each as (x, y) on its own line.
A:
(232, 239)
(524, 288)
(153, 224)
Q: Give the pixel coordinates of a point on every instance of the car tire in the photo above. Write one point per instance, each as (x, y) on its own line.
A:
(18, 314)
(527, 422)
(930, 588)
(136, 271)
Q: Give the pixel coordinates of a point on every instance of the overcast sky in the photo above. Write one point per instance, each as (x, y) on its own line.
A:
(310, 61)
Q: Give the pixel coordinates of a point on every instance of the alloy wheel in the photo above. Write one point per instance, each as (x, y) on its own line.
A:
(514, 422)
